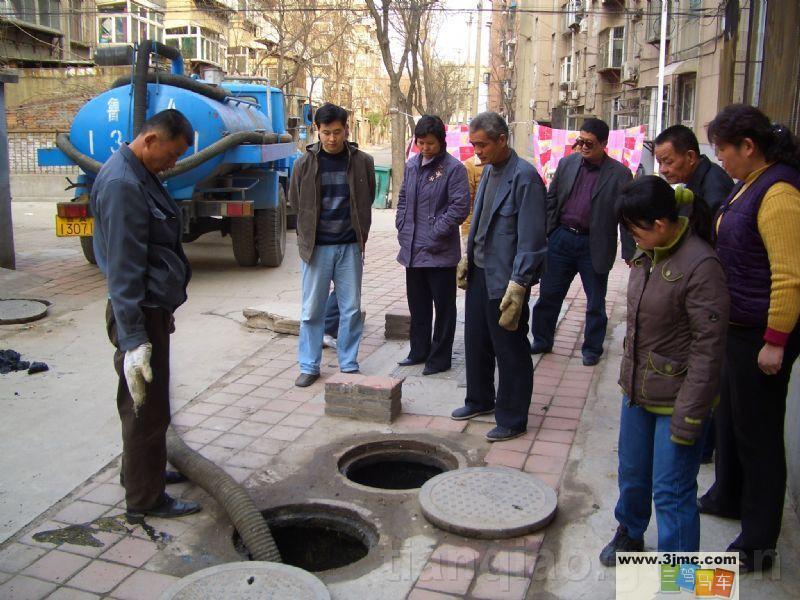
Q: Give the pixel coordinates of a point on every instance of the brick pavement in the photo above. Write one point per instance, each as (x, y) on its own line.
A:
(254, 412)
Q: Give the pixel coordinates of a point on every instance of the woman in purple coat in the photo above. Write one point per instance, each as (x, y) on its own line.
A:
(433, 202)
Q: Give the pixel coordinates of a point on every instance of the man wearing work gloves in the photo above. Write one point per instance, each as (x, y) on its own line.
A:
(137, 242)
(506, 249)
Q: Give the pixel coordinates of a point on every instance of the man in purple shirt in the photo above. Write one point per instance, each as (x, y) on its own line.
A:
(582, 238)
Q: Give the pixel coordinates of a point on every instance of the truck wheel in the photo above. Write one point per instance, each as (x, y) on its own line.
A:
(88, 248)
(271, 232)
(243, 236)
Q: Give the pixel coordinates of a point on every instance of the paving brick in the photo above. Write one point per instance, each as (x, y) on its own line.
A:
(25, 588)
(447, 424)
(550, 448)
(65, 593)
(187, 419)
(106, 493)
(268, 416)
(15, 557)
(131, 551)
(450, 579)
(201, 435)
(253, 429)
(285, 433)
(363, 397)
(217, 454)
(235, 412)
(412, 421)
(311, 408)
(282, 405)
(267, 446)
(56, 566)
(238, 389)
(266, 392)
(223, 398)
(81, 512)
(201, 408)
(239, 474)
(249, 460)
(500, 587)
(545, 464)
(506, 458)
(558, 423)
(106, 538)
(220, 423)
(520, 564)
(520, 444)
(233, 440)
(100, 577)
(296, 420)
(555, 435)
(420, 594)
(566, 401)
(253, 379)
(564, 412)
(251, 401)
(457, 555)
(143, 585)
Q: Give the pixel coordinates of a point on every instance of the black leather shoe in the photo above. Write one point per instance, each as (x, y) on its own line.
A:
(169, 476)
(590, 360)
(433, 370)
(537, 348)
(502, 434)
(408, 361)
(706, 508)
(465, 412)
(751, 561)
(168, 509)
(306, 379)
(622, 542)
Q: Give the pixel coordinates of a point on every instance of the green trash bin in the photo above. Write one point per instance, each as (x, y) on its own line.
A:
(383, 180)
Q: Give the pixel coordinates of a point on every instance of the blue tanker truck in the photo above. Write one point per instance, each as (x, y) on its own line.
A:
(233, 179)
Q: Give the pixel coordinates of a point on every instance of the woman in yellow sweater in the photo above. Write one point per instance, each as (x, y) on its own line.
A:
(758, 237)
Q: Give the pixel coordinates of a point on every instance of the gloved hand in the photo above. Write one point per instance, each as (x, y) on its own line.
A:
(511, 306)
(137, 371)
(461, 272)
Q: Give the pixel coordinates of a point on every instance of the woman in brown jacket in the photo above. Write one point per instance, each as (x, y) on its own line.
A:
(674, 344)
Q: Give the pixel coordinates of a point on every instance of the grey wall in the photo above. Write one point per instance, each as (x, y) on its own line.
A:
(792, 434)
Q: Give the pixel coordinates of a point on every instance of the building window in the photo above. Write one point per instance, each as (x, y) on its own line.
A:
(687, 87)
(37, 12)
(611, 48)
(648, 110)
(198, 44)
(566, 69)
(128, 22)
(654, 21)
(573, 12)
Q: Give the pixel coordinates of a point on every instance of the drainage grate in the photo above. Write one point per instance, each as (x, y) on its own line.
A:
(398, 464)
(317, 537)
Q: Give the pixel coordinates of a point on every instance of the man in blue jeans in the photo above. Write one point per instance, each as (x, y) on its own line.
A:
(332, 186)
(581, 238)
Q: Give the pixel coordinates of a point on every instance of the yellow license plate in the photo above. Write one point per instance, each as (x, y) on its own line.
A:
(72, 227)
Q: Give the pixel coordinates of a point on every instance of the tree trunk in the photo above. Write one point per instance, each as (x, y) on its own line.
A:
(398, 126)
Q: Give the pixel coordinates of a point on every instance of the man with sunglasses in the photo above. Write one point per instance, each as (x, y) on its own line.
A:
(581, 238)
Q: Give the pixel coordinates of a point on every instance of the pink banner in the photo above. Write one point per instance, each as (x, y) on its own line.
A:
(548, 146)
(457, 140)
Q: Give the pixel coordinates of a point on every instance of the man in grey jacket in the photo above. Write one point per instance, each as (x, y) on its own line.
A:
(506, 249)
(137, 242)
(581, 238)
(332, 187)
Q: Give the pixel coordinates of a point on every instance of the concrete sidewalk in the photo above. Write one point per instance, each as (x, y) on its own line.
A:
(275, 439)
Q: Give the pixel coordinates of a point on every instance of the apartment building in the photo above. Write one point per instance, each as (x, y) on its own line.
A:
(46, 33)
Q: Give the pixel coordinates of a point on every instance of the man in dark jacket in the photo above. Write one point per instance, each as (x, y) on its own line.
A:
(137, 242)
(506, 249)
(332, 186)
(679, 161)
(582, 238)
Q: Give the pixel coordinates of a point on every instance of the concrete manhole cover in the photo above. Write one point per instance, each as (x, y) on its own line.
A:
(21, 311)
(488, 502)
(248, 580)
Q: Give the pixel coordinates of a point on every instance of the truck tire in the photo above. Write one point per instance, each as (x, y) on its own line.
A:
(271, 232)
(243, 236)
(88, 248)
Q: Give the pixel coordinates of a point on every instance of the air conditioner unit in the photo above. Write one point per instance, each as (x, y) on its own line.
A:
(562, 96)
(625, 121)
(573, 94)
(630, 73)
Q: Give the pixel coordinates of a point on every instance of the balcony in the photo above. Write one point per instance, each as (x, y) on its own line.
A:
(611, 50)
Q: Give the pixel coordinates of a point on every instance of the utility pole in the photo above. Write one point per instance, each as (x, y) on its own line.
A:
(662, 61)
(7, 257)
(475, 92)
(469, 107)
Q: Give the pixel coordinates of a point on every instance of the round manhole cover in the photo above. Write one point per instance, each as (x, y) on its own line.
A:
(21, 311)
(248, 580)
(488, 502)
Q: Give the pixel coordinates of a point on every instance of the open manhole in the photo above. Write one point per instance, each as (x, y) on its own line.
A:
(317, 537)
(397, 464)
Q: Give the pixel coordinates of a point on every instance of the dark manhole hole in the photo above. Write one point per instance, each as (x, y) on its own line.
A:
(317, 537)
(395, 464)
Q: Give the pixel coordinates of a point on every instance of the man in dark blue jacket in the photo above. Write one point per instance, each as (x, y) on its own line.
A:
(506, 249)
(137, 242)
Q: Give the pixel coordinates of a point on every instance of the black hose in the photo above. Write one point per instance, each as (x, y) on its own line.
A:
(233, 497)
(140, 87)
(223, 145)
(179, 81)
(91, 165)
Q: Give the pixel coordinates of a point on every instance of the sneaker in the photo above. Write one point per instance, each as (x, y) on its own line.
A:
(621, 543)
(502, 434)
(465, 412)
(306, 379)
(328, 341)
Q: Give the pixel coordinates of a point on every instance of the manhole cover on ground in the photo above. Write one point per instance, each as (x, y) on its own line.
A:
(21, 311)
(248, 581)
(488, 502)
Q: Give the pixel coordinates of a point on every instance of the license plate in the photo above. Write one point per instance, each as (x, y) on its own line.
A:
(73, 227)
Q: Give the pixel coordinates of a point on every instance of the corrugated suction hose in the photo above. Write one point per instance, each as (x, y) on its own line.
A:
(234, 498)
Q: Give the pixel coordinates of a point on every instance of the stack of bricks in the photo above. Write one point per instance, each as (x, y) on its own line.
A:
(398, 325)
(362, 397)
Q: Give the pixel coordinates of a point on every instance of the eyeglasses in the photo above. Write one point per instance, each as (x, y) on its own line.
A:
(582, 142)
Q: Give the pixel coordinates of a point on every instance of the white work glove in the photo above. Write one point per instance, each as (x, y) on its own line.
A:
(137, 371)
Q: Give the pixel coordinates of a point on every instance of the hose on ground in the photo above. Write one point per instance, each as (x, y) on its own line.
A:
(233, 497)
(91, 165)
